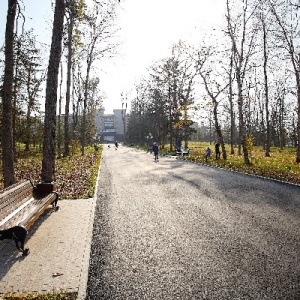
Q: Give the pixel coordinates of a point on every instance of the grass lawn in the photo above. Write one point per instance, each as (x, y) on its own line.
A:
(280, 165)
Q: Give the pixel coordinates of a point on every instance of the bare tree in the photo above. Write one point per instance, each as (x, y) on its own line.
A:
(71, 11)
(289, 30)
(75, 10)
(48, 162)
(214, 90)
(99, 34)
(266, 82)
(242, 46)
(231, 105)
(188, 70)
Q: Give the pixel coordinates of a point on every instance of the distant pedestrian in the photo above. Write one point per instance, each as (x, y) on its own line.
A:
(217, 150)
(155, 151)
(116, 145)
(207, 153)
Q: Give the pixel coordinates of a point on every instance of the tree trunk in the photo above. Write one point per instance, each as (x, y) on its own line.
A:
(242, 133)
(170, 121)
(59, 137)
(267, 150)
(85, 99)
(7, 138)
(296, 63)
(28, 119)
(218, 129)
(298, 123)
(48, 163)
(69, 71)
(14, 99)
(232, 121)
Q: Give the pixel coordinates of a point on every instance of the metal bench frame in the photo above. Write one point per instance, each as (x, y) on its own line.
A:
(21, 204)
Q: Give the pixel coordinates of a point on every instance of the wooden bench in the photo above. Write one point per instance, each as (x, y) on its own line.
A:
(21, 204)
(182, 152)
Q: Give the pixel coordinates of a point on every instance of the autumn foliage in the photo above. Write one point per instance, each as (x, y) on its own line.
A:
(75, 176)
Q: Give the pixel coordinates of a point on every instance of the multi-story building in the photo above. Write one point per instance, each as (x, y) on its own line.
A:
(111, 127)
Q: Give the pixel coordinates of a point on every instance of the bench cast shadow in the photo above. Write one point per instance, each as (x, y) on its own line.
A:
(9, 255)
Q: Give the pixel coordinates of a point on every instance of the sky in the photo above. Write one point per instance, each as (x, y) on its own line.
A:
(148, 29)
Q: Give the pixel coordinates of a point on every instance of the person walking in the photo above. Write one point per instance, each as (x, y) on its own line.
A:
(155, 151)
(217, 150)
(207, 153)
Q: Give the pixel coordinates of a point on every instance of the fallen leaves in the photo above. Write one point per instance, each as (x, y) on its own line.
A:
(75, 176)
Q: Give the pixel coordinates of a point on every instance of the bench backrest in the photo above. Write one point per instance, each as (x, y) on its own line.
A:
(14, 196)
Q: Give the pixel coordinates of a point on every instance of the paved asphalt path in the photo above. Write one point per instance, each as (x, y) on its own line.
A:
(179, 230)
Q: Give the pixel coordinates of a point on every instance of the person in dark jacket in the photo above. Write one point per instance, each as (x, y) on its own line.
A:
(155, 151)
(217, 150)
(207, 153)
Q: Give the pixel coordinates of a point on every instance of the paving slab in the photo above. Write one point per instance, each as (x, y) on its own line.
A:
(59, 244)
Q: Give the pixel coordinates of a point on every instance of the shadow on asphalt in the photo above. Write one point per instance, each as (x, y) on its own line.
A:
(278, 197)
(9, 255)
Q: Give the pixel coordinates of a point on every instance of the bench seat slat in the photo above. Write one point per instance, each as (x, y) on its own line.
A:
(11, 208)
(10, 199)
(15, 212)
(37, 208)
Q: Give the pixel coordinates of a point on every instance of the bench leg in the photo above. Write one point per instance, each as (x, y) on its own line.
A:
(18, 234)
(54, 203)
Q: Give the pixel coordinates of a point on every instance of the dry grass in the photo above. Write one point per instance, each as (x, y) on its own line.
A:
(281, 165)
(36, 296)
